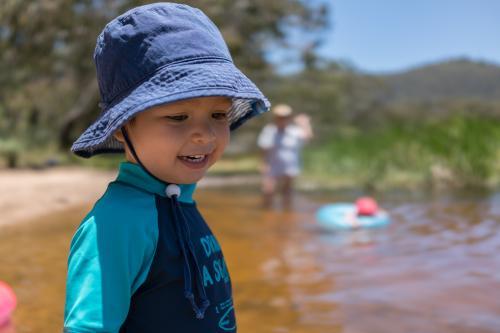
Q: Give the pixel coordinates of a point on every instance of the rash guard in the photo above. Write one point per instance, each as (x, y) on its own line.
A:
(144, 261)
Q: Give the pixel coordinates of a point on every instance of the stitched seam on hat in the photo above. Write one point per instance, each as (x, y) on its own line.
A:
(187, 91)
(149, 75)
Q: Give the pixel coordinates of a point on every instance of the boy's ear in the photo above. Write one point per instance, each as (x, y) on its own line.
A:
(118, 135)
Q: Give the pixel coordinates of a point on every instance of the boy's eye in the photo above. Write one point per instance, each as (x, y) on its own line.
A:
(180, 117)
(219, 115)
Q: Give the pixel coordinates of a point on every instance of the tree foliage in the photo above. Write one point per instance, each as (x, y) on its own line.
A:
(48, 89)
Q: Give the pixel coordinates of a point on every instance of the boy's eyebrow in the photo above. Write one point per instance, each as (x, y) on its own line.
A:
(223, 107)
(225, 104)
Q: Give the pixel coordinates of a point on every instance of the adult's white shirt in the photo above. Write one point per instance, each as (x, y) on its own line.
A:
(284, 149)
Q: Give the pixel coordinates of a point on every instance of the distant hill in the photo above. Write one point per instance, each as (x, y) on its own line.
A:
(455, 79)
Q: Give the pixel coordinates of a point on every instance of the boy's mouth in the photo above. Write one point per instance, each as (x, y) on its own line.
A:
(193, 158)
(194, 161)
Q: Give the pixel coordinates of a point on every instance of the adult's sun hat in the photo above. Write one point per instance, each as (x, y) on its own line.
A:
(282, 110)
(157, 54)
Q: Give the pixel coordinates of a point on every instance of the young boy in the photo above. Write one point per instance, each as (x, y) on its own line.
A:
(143, 259)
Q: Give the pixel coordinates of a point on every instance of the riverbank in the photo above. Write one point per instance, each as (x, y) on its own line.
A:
(454, 152)
(26, 194)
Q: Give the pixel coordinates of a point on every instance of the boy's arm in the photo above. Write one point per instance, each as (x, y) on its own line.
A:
(106, 265)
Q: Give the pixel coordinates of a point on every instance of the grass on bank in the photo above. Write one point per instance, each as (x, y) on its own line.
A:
(454, 152)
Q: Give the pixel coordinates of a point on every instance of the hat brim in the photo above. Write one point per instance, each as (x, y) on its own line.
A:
(170, 84)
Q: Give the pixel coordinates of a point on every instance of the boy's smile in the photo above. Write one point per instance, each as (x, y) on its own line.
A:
(179, 141)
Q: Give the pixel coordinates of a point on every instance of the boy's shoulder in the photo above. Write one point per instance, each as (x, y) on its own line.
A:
(124, 206)
(110, 256)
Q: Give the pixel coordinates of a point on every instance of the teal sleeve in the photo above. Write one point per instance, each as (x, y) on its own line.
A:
(109, 259)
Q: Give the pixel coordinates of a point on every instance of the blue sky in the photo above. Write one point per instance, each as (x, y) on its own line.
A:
(391, 35)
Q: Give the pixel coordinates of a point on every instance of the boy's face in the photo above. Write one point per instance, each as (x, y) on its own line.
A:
(179, 141)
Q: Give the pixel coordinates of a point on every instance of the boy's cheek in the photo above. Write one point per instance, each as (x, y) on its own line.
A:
(228, 134)
(226, 141)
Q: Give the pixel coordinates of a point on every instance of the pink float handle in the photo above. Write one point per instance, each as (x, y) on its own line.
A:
(8, 303)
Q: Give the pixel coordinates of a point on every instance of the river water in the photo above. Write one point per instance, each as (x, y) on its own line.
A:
(434, 269)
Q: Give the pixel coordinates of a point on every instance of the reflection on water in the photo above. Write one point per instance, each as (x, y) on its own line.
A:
(434, 269)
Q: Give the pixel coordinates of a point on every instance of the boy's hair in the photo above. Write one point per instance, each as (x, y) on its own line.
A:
(161, 53)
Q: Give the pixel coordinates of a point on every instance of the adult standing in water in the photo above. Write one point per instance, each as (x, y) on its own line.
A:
(281, 143)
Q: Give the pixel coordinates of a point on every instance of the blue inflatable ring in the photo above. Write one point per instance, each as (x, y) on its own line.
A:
(342, 216)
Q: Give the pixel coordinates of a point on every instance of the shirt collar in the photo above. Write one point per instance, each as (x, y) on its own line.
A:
(135, 175)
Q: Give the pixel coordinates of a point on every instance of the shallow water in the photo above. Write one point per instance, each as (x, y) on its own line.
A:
(434, 269)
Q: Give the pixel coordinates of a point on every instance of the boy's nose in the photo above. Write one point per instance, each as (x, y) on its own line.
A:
(203, 133)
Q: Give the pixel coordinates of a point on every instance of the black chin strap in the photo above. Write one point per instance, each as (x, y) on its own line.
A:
(130, 146)
(193, 279)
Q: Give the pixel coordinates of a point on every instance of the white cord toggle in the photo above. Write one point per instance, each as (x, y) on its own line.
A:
(173, 189)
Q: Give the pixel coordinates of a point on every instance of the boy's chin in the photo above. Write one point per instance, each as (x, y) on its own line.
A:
(185, 179)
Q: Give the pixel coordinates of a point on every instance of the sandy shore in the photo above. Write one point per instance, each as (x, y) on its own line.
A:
(26, 194)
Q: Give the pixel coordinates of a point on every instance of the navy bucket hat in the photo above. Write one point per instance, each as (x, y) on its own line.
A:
(157, 54)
